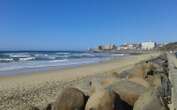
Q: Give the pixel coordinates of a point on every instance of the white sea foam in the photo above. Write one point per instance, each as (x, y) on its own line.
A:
(6, 59)
(115, 55)
(63, 53)
(18, 55)
(64, 60)
(41, 64)
(26, 58)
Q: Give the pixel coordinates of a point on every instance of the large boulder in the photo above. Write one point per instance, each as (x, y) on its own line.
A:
(128, 91)
(140, 81)
(27, 107)
(102, 100)
(49, 107)
(150, 100)
(140, 70)
(108, 81)
(155, 81)
(70, 99)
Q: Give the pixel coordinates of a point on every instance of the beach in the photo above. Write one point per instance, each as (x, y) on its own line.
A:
(41, 88)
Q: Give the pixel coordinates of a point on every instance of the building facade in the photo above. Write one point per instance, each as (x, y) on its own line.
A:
(107, 47)
(148, 45)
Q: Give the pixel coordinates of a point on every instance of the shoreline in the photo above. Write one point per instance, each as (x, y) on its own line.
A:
(20, 68)
(56, 69)
(41, 88)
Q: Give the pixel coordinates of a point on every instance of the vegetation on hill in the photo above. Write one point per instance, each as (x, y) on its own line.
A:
(170, 47)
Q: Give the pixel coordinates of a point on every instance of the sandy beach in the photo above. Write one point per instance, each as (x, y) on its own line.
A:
(39, 89)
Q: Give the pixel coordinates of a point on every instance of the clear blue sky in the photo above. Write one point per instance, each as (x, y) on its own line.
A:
(80, 24)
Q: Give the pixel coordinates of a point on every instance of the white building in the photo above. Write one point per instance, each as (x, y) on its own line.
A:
(108, 47)
(148, 45)
(129, 47)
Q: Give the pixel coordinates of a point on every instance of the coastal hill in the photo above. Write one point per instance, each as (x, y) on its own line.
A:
(170, 47)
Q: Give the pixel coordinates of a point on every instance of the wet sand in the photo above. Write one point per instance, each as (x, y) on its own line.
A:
(39, 89)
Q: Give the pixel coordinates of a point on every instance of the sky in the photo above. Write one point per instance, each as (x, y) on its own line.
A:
(81, 24)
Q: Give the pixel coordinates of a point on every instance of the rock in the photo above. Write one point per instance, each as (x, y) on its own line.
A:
(96, 86)
(150, 100)
(140, 81)
(128, 91)
(102, 100)
(28, 107)
(116, 74)
(49, 107)
(100, 84)
(155, 81)
(125, 74)
(108, 81)
(33, 108)
(158, 67)
(140, 70)
(70, 99)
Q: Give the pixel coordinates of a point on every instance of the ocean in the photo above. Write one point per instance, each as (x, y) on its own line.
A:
(22, 62)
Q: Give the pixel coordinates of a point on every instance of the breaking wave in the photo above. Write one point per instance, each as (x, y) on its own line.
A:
(38, 59)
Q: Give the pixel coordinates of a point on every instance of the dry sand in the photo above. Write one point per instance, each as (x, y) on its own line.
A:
(39, 89)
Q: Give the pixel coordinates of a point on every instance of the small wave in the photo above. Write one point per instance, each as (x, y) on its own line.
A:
(44, 57)
(64, 60)
(63, 53)
(84, 54)
(3, 60)
(115, 55)
(27, 58)
(50, 56)
(40, 65)
(18, 55)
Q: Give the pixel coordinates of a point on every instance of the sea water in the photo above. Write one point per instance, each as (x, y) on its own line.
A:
(21, 62)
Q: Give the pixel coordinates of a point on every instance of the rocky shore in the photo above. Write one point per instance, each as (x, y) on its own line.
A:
(145, 86)
(134, 83)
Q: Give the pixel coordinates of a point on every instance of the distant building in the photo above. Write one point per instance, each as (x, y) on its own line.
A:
(129, 47)
(137, 46)
(148, 45)
(105, 47)
(124, 47)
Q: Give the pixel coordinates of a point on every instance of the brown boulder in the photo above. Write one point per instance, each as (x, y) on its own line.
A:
(102, 100)
(150, 100)
(27, 107)
(155, 81)
(140, 70)
(108, 81)
(70, 99)
(48, 107)
(128, 91)
(140, 81)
